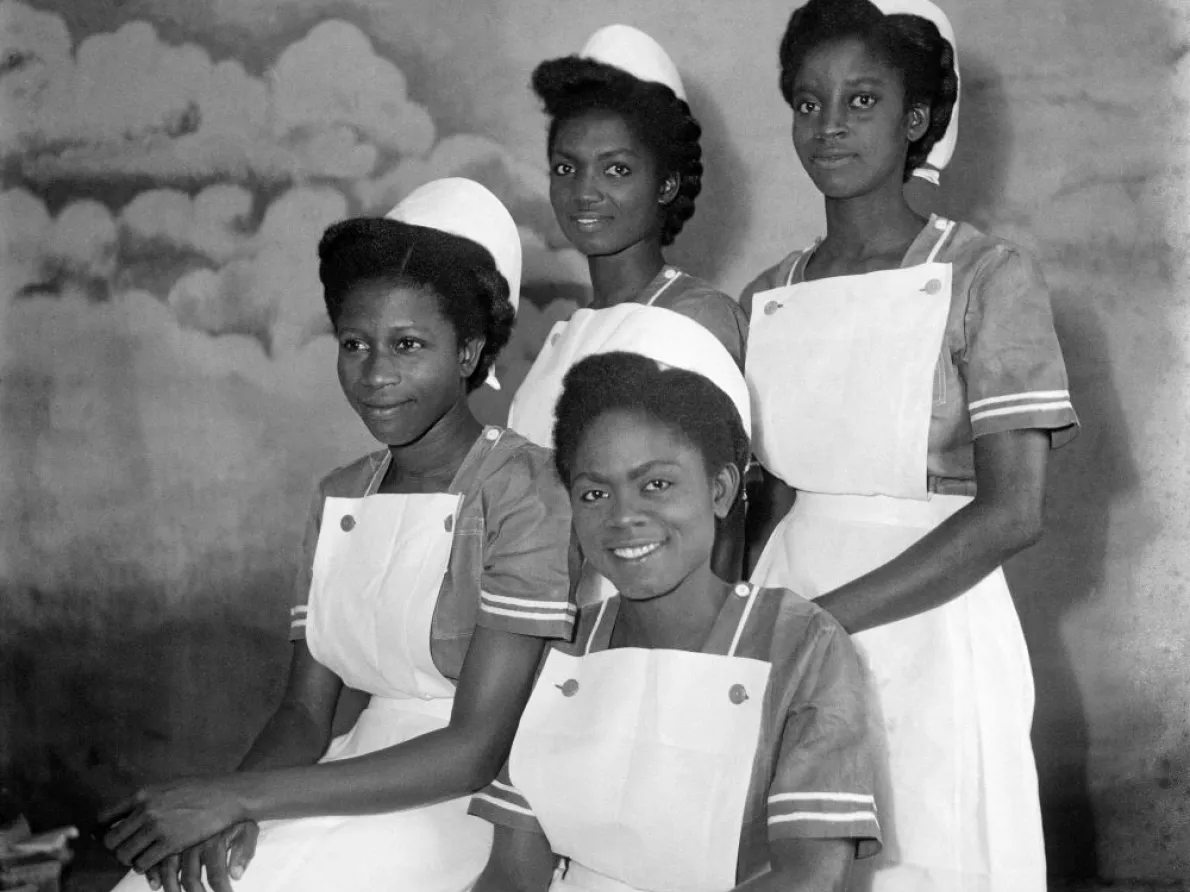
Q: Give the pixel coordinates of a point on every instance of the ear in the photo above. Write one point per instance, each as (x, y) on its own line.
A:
(725, 486)
(469, 353)
(669, 189)
(918, 121)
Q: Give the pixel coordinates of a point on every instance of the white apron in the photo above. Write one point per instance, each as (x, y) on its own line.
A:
(660, 334)
(637, 764)
(378, 568)
(842, 373)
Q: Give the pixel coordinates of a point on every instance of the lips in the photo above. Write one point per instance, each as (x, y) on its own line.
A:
(635, 552)
(383, 411)
(588, 222)
(831, 160)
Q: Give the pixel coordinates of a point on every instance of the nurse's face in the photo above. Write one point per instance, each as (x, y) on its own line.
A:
(644, 504)
(851, 129)
(401, 366)
(605, 185)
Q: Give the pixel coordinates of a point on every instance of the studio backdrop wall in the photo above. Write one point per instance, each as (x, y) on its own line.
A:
(167, 386)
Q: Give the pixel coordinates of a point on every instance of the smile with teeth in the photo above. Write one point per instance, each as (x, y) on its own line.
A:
(635, 552)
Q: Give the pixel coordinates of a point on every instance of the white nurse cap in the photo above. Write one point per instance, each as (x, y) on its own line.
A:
(635, 52)
(943, 150)
(464, 208)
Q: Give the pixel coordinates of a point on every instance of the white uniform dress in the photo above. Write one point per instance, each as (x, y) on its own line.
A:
(397, 584)
(868, 392)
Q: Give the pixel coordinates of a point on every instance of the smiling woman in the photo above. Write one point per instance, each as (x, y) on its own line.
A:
(433, 572)
(697, 735)
(625, 170)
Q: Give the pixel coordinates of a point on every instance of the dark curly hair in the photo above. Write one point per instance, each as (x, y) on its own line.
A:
(572, 86)
(686, 402)
(909, 44)
(472, 294)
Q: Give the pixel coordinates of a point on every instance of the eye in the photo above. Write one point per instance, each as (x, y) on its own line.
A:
(804, 106)
(863, 101)
(408, 345)
(352, 345)
(562, 169)
(618, 170)
(592, 495)
(657, 485)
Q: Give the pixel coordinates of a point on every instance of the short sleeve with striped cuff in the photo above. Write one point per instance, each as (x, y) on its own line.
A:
(524, 586)
(822, 786)
(1013, 367)
(501, 803)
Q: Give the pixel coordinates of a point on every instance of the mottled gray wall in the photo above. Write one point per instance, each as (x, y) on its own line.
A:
(166, 387)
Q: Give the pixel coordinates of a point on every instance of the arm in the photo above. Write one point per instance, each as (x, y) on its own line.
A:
(805, 865)
(520, 862)
(769, 500)
(1005, 517)
(299, 730)
(493, 687)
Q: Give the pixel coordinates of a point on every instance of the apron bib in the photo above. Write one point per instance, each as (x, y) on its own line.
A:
(842, 371)
(638, 762)
(660, 334)
(378, 568)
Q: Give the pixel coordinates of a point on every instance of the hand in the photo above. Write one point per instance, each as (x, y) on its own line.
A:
(167, 819)
(224, 856)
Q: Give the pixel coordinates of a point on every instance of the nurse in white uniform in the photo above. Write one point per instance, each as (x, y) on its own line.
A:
(908, 388)
(625, 170)
(698, 735)
(434, 571)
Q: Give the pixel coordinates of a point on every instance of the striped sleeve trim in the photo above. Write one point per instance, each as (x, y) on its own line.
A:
(527, 616)
(823, 815)
(297, 622)
(1037, 408)
(501, 803)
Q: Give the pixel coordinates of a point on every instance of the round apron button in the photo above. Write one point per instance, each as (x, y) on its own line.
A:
(742, 590)
(933, 286)
(492, 434)
(670, 273)
(738, 694)
(554, 338)
(569, 687)
(347, 523)
(771, 307)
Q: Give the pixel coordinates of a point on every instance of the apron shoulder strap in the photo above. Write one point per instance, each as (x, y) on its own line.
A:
(947, 228)
(671, 275)
(750, 590)
(799, 262)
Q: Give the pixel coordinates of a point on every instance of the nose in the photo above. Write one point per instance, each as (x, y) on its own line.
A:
(381, 369)
(587, 189)
(832, 123)
(625, 512)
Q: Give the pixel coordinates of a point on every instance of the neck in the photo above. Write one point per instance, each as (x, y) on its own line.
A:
(679, 620)
(439, 452)
(620, 278)
(870, 224)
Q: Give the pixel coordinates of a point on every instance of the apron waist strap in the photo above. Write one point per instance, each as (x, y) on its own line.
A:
(924, 513)
(436, 707)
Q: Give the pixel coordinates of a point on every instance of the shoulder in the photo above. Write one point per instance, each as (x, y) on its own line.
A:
(716, 311)
(794, 634)
(773, 277)
(518, 470)
(351, 480)
(979, 258)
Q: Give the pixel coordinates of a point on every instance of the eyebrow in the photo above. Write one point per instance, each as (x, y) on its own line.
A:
(633, 474)
(866, 80)
(601, 156)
